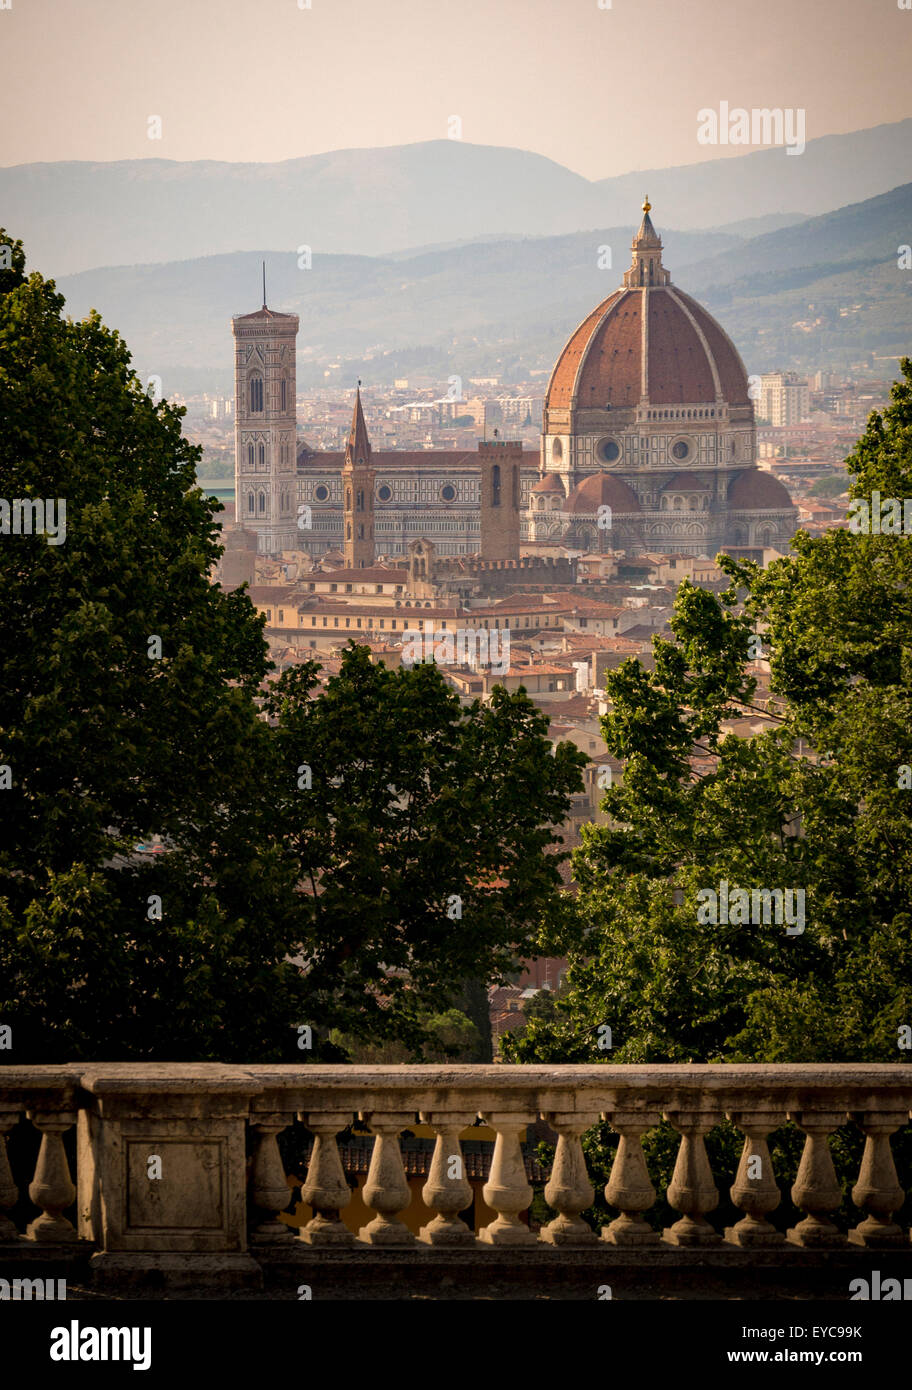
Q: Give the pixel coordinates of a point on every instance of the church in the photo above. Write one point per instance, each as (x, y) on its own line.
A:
(648, 444)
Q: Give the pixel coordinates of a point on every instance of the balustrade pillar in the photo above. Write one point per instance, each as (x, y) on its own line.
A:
(755, 1190)
(9, 1193)
(325, 1189)
(447, 1190)
(569, 1190)
(629, 1187)
(816, 1189)
(387, 1191)
(877, 1191)
(52, 1188)
(268, 1188)
(692, 1190)
(507, 1190)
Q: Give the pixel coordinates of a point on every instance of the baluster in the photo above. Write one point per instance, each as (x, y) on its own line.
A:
(629, 1188)
(387, 1191)
(9, 1193)
(268, 1189)
(52, 1187)
(816, 1190)
(878, 1191)
(447, 1190)
(569, 1190)
(325, 1189)
(755, 1190)
(507, 1190)
(692, 1190)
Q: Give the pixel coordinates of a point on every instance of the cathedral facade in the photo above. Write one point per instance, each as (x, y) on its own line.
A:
(648, 444)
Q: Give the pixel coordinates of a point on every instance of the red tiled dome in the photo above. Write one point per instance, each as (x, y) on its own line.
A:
(685, 482)
(549, 483)
(599, 489)
(690, 360)
(755, 490)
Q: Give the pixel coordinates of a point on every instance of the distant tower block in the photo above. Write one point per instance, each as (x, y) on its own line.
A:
(501, 469)
(264, 431)
(358, 494)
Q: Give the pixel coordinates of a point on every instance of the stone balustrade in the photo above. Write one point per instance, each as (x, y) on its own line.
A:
(179, 1173)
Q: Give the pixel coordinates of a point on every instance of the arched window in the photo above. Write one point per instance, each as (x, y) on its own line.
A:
(250, 456)
(262, 502)
(262, 455)
(284, 394)
(251, 505)
(256, 393)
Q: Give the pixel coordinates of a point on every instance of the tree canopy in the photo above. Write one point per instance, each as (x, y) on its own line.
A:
(818, 800)
(137, 699)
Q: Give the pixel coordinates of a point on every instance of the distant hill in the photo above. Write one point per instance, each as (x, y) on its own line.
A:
(456, 302)
(507, 307)
(76, 215)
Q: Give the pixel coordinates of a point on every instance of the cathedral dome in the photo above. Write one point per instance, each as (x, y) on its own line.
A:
(754, 490)
(549, 483)
(647, 341)
(599, 489)
(685, 482)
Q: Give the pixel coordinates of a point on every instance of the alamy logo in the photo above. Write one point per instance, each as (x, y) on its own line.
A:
(760, 126)
(32, 516)
(75, 1343)
(464, 647)
(25, 1290)
(888, 516)
(737, 907)
(875, 1290)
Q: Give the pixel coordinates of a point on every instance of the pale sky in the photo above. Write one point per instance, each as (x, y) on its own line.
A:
(602, 91)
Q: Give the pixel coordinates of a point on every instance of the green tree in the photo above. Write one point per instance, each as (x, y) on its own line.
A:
(135, 700)
(819, 802)
(424, 840)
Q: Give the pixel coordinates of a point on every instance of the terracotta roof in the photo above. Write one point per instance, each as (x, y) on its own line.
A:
(372, 574)
(265, 313)
(601, 489)
(759, 490)
(602, 363)
(551, 482)
(331, 460)
(685, 482)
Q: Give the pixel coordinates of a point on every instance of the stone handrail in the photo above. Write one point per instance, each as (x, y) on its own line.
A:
(163, 1180)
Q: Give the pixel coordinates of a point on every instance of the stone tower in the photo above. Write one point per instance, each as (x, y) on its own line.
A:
(264, 431)
(358, 494)
(501, 469)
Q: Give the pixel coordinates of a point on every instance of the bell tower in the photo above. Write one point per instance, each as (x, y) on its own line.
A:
(264, 426)
(501, 491)
(358, 494)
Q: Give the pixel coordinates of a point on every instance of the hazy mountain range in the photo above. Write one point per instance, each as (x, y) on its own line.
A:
(76, 215)
(507, 306)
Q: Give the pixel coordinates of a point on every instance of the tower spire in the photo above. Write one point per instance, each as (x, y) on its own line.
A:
(358, 448)
(646, 268)
(264, 284)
